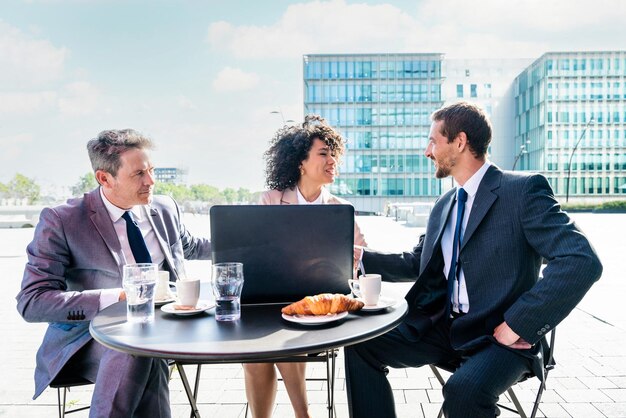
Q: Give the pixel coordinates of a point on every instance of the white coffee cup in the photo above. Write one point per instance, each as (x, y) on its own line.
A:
(369, 285)
(355, 287)
(187, 292)
(162, 291)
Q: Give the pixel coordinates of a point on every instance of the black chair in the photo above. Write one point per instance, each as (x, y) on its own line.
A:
(548, 366)
(65, 381)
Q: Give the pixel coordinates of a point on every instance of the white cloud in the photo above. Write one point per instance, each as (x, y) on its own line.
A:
(26, 102)
(13, 145)
(78, 98)
(489, 28)
(28, 61)
(331, 26)
(74, 99)
(234, 79)
(185, 102)
(204, 148)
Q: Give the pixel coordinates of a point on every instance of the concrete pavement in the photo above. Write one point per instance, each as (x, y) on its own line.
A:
(588, 381)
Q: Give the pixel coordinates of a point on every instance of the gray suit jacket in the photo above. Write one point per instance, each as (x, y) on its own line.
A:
(74, 254)
(514, 222)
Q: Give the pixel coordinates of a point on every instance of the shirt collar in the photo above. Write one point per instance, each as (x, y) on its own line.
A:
(471, 185)
(116, 213)
(303, 201)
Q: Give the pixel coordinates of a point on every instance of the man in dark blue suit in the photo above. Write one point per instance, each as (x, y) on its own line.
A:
(477, 300)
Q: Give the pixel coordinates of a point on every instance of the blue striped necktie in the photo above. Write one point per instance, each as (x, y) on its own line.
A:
(135, 240)
(453, 273)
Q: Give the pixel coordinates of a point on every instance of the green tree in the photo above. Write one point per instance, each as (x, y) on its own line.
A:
(206, 193)
(85, 184)
(179, 192)
(244, 195)
(21, 187)
(230, 195)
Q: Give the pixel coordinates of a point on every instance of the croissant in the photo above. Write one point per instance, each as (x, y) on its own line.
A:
(323, 304)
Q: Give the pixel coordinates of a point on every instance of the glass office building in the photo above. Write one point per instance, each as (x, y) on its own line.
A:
(172, 175)
(539, 109)
(488, 83)
(381, 103)
(572, 106)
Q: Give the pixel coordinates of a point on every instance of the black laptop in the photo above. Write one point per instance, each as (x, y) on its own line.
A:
(288, 251)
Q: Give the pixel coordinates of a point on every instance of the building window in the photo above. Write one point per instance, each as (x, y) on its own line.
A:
(459, 90)
(488, 90)
(363, 187)
(473, 92)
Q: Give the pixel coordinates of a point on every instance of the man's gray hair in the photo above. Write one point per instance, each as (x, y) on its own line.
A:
(105, 150)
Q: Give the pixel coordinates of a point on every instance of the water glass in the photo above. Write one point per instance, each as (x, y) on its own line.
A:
(227, 283)
(139, 281)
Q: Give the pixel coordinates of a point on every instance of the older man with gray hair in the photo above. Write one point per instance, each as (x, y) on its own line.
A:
(74, 270)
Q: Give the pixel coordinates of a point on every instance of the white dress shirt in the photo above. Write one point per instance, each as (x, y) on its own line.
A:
(303, 201)
(460, 289)
(140, 214)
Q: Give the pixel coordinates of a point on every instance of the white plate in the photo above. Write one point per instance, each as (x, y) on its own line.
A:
(383, 303)
(160, 302)
(202, 306)
(314, 319)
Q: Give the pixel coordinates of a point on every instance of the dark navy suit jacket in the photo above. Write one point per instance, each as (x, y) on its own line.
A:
(514, 222)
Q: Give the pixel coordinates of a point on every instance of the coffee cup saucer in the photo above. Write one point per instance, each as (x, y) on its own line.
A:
(161, 302)
(383, 303)
(201, 306)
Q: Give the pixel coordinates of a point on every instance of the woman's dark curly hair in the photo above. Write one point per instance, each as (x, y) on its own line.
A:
(291, 145)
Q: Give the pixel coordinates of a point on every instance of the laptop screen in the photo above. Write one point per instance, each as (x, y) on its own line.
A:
(288, 251)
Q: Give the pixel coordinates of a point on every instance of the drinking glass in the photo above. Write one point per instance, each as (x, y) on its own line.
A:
(227, 283)
(139, 281)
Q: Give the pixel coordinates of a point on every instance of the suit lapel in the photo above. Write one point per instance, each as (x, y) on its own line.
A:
(156, 221)
(289, 197)
(102, 222)
(445, 214)
(447, 205)
(482, 202)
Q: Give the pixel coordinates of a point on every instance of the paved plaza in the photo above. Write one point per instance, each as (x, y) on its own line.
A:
(588, 381)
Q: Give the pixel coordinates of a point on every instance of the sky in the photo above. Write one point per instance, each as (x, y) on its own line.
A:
(202, 78)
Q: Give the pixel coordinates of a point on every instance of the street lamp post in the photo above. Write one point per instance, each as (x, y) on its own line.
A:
(282, 117)
(278, 112)
(569, 165)
(522, 150)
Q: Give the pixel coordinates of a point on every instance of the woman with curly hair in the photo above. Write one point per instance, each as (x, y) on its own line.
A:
(301, 161)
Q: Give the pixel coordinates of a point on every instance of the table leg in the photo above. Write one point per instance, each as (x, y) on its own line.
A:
(190, 395)
(196, 385)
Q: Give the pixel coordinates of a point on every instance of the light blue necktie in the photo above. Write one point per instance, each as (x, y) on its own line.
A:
(453, 273)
